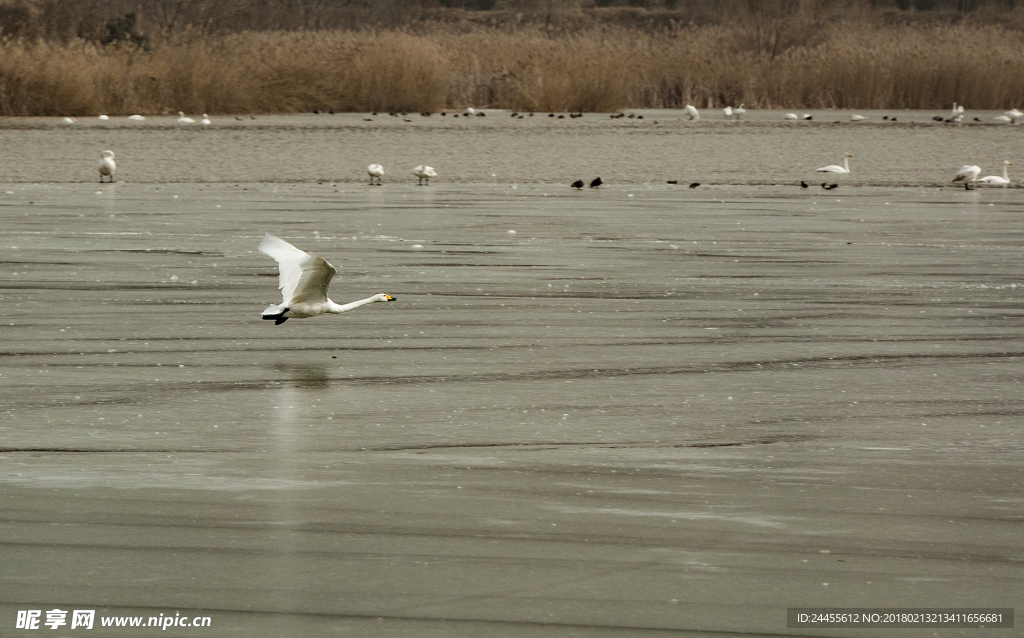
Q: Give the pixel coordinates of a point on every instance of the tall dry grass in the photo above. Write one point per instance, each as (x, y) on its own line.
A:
(602, 69)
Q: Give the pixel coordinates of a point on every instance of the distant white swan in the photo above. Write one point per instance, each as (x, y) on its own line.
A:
(1014, 113)
(104, 117)
(805, 116)
(470, 110)
(1003, 119)
(375, 171)
(967, 174)
(835, 168)
(739, 111)
(68, 120)
(692, 112)
(107, 165)
(304, 280)
(424, 172)
(728, 112)
(206, 120)
(184, 120)
(857, 118)
(995, 180)
(791, 116)
(137, 118)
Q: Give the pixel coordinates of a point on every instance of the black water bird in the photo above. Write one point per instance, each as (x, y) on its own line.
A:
(803, 184)
(578, 184)
(694, 184)
(673, 181)
(829, 187)
(597, 181)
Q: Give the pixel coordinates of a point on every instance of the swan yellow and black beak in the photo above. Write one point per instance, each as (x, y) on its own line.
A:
(390, 298)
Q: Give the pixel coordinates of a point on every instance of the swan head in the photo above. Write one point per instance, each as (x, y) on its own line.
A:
(383, 297)
(107, 154)
(1008, 162)
(848, 155)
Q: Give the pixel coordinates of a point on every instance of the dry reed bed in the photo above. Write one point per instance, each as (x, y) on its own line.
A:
(595, 70)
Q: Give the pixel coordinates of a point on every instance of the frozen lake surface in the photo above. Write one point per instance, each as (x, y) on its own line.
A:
(631, 411)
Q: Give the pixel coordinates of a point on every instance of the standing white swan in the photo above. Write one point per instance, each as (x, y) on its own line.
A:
(835, 168)
(375, 171)
(206, 120)
(727, 112)
(424, 172)
(107, 165)
(995, 180)
(1014, 113)
(967, 174)
(739, 111)
(182, 119)
(692, 112)
(304, 280)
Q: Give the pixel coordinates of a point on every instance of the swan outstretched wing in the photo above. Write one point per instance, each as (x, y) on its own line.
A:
(305, 277)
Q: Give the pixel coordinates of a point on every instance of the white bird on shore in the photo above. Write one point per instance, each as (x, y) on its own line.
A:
(739, 111)
(957, 113)
(995, 180)
(857, 118)
(835, 168)
(692, 112)
(304, 280)
(136, 118)
(424, 172)
(790, 116)
(107, 165)
(375, 171)
(967, 174)
(1014, 113)
(182, 119)
(470, 110)
(805, 116)
(68, 120)
(1003, 119)
(104, 117)
(206, 120)
(728, 112)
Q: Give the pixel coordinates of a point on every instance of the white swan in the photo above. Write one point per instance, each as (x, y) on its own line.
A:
(470, 110)
(1003, 119)
(68, 120)
(995, 180)
(805, 116)
(835, 168)
(692, 112)
(375, 171)
(727, 111)
(424, 172)
(739, 111)
(791, 116)
(136, 118)
(857, 118)
(304, 280)
(184, 120)
(967, 174)
(206, 120)
(1014, 113)
(107, 165)
(104, 117)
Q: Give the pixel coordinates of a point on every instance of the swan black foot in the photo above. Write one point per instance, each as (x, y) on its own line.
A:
(278, 319)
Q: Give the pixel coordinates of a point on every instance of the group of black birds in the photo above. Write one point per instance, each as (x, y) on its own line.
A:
(594, 183)
(824, 185)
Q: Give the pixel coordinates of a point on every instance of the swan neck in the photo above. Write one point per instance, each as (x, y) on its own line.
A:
(339, 308)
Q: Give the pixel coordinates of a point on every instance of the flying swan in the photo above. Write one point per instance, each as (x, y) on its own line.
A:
(304, 281)
(835, 168)
(995, 180)
(107, 165)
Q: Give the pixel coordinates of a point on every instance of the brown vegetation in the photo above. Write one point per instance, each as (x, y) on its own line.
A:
(788, 57)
